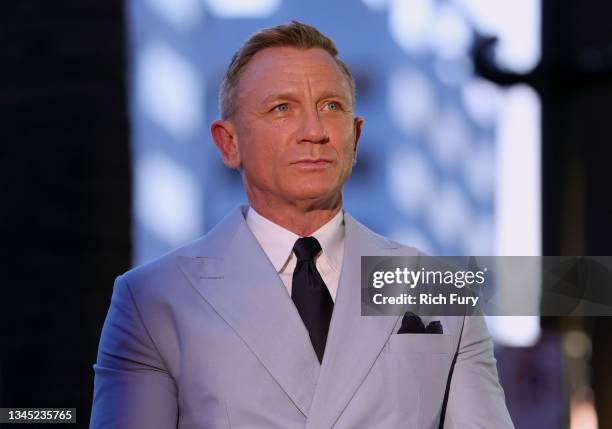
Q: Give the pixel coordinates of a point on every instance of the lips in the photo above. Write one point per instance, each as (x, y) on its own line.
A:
(312, 164)
(313, 161)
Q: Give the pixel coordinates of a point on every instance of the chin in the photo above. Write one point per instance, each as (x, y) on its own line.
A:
(315, 188)
(315, 195)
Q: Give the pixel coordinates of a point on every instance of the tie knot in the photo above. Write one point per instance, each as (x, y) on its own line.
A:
(306, 248)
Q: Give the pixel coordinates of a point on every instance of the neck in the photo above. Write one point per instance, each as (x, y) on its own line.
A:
(300, 219)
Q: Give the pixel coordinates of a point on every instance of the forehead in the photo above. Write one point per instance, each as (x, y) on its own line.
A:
(282, 69)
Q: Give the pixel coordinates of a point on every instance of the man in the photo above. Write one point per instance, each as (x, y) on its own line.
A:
(257, 324)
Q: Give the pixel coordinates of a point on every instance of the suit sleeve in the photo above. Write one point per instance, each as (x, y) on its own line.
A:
(476, 399)
(132, 387)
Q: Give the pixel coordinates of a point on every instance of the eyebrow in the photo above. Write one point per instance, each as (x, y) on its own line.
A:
(292, 96)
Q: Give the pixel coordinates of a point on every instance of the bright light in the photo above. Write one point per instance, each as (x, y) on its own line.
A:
(517, 209)
(477, 238)
(412, 100)
(454, 71)
(375, 5)
(410, 22)
(583, 414)
(481, 99)
(180, 14)
(479, 172)
(169, 91)
(517, 25)
(242, 8)
(448, 213)
(451, 36)
(168, 200)
(410, 179)
(518, 195)
(413, 237)
(514, 331)
(450, 139)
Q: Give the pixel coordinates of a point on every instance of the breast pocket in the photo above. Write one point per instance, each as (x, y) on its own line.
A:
(421, 343)
(421, 366)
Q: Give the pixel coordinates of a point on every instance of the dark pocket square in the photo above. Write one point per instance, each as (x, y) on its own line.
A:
(412, 324)
(434, 327)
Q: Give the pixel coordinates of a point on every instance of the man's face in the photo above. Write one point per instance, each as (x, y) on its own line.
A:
(294, 127)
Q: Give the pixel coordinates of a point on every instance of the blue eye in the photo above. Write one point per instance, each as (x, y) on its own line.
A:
(333, 106)
(282, 107)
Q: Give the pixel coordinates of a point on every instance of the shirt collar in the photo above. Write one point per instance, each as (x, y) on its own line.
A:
(277, 242)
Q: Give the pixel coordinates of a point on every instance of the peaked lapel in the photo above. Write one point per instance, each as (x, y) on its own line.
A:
(354, 342)
(233, 274)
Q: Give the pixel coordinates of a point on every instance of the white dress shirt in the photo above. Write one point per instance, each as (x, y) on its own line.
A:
(277, 243)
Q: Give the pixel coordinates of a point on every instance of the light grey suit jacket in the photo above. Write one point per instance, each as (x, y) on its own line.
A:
(207, 337)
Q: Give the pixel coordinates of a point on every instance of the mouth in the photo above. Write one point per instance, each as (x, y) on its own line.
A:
(310, 164)
(313, 161)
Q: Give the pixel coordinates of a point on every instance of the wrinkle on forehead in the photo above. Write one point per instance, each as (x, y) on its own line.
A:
(291, 70)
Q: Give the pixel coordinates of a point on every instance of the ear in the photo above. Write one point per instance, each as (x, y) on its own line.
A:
(358, 124)
(224, 135)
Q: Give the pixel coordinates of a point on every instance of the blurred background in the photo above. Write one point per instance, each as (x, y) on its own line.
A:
(487, 132)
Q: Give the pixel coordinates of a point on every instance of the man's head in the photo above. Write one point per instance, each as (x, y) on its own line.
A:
(287, 104)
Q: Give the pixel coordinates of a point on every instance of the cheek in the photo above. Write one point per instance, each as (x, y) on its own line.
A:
(347, 149)
(343, 131)
(259, 148)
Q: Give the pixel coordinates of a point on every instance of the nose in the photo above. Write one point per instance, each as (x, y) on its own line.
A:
(313, 129)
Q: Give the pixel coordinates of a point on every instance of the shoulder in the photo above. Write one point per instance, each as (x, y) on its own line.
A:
(167, 262)
(165, 269)
(363, 233)
(159, 280)
(164, 278)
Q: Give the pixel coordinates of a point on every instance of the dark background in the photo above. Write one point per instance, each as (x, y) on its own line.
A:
(65, 218)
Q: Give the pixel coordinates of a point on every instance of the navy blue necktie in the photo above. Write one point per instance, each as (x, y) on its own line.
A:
(310, 294)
